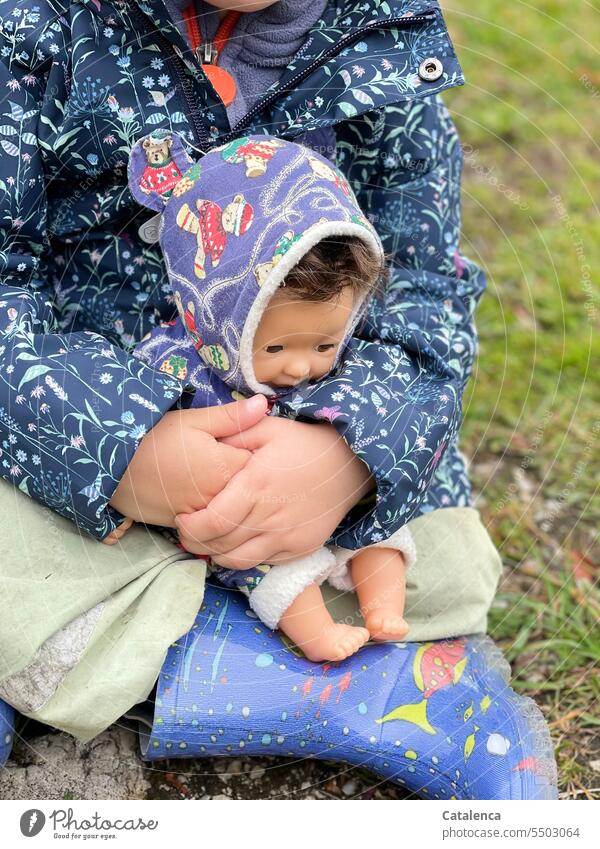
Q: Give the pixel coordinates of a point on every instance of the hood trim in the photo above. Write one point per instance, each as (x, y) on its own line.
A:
(276, 277)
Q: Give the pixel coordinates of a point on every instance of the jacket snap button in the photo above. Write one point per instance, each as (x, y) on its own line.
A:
(430, 69)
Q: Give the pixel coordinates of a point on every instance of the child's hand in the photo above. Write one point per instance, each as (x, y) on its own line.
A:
(300, 482)
(179, 465)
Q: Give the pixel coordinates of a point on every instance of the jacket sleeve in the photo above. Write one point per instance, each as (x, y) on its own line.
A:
(397, 397)
(72, 406)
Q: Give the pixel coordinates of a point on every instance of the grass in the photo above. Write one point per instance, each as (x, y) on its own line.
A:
(528, 121)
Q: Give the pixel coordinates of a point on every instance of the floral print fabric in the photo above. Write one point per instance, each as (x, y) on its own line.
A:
(82, 82)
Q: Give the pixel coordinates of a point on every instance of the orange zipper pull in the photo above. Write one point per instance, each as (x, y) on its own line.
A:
(207, 53)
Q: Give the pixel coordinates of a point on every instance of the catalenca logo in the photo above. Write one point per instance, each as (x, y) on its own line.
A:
(32, 822)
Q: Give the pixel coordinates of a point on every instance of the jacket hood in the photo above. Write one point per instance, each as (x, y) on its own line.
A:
(232, 227)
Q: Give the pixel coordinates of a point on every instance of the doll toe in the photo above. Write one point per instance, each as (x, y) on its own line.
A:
(384, 625)
(340, 641)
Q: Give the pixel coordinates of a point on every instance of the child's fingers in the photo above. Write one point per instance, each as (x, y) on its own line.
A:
(224, 514)
(258, 550)
(231, 418)
(234, 539)
(122, 529)
(116, 535)
(254, 437)
(250, 439)
(110, 539)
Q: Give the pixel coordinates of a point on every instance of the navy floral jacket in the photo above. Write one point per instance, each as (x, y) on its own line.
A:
(81, 82)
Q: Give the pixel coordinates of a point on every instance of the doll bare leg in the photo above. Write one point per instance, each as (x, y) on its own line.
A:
(309, 624)
(379, 579)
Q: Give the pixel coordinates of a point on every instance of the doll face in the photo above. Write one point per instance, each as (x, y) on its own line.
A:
(298, 340)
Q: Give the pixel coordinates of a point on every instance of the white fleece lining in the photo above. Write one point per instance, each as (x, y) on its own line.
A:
(283, 584)
(316, 233)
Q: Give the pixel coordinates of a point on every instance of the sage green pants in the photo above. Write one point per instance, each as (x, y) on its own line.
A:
(84, 627)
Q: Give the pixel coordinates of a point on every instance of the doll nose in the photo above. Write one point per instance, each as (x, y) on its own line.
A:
(298, 369)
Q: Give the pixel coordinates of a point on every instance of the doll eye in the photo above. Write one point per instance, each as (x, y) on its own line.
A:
(274, 349)
(322, 349)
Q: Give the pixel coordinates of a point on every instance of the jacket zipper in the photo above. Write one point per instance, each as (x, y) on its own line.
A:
(344, 42)
(198, 128)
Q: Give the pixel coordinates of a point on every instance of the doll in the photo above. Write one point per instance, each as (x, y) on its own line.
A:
(277, 316)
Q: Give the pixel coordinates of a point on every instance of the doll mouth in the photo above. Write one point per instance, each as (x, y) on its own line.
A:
(284, 388)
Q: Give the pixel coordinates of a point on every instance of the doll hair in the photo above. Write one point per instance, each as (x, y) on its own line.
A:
(332, 265)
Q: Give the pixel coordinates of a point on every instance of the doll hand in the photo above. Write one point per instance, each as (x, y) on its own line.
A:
(298, 485)
(179, 465)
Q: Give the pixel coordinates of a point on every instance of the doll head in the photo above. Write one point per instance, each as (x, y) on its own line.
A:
(258, 227)
(304, 324)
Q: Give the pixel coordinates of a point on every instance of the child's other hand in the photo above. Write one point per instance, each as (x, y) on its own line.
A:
(179, 465)
(298, 485)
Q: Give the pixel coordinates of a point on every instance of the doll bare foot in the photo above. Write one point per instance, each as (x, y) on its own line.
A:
(386, 625)
(378, 576)
(337, 643)
(309, 624)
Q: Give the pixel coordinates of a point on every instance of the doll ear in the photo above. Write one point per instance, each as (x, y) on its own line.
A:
(156, 164)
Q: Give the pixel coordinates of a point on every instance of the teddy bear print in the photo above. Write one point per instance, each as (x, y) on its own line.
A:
(263, 269)
(211, 225)
(254, 154)
(321, 169)
(161, 174)
(213, 355)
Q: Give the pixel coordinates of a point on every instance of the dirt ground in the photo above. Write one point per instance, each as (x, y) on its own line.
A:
(54, 766)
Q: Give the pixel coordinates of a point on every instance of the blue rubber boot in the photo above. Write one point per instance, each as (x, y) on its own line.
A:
(438, 718)
(7, 730)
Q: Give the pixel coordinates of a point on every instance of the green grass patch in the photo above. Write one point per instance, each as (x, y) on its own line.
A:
(528, 121)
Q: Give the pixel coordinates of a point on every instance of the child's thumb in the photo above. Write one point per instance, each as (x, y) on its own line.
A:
(232, 418)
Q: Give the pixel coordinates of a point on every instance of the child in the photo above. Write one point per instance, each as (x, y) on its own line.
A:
(273, 312)
(78, 287)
